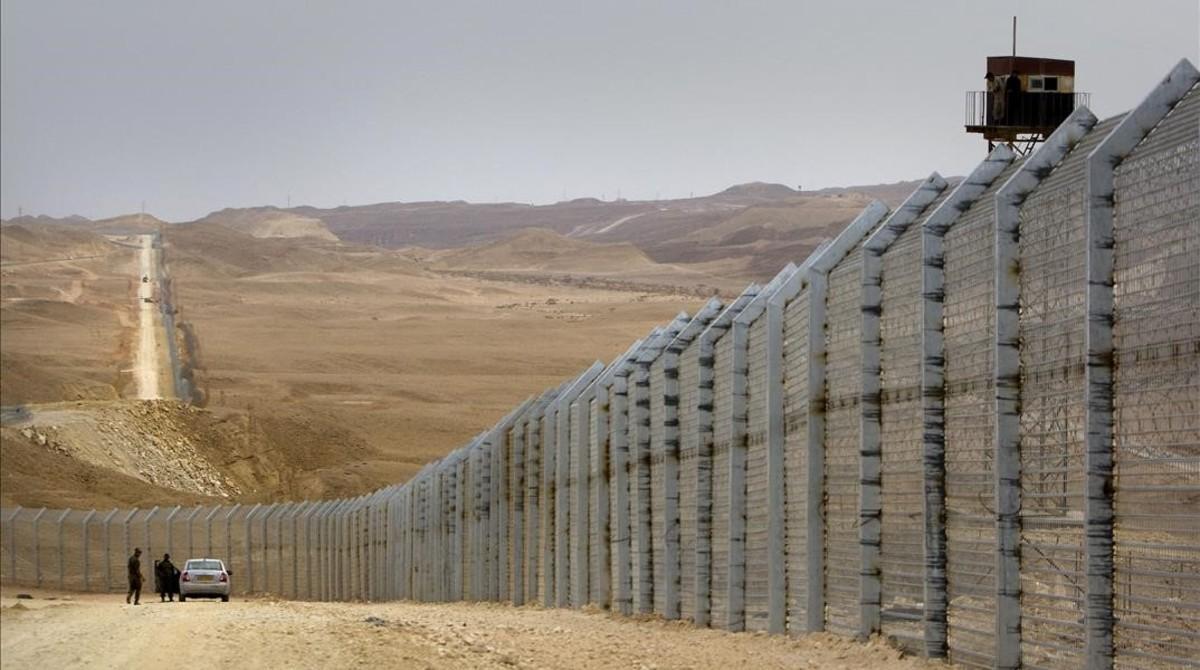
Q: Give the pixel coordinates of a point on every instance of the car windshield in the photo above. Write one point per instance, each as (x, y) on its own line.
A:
(203, 565)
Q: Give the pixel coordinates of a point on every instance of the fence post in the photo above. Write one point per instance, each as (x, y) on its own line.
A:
(12, 545)
(171, 529)
(933, 364)
(125, 528)
(229, 534)
(208, 531)
(250, 548)
(1007, 377)
(146, 529)
(1098, 452)
(300, 512)
(266, 545)
(191, 535)
(870, 421)
(108, 550)
(815, 502)
(62, 548)
(87, 582)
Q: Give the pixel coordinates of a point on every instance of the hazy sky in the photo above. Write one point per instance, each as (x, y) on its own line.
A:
(195, 106)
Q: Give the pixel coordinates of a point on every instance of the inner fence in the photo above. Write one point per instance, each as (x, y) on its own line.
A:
(836, 450)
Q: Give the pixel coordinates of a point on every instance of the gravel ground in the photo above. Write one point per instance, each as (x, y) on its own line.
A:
(101, 631)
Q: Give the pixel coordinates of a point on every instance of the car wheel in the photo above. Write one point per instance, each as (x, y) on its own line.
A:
(224, 599)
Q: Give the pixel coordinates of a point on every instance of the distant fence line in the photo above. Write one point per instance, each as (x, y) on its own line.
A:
(971, 424)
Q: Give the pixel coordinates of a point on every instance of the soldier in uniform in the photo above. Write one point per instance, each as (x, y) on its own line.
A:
(135, 577)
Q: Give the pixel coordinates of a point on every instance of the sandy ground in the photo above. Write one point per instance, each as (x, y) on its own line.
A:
(93, 631)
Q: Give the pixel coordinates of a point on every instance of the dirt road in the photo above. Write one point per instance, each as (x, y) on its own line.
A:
(102, 632)
(146, 361)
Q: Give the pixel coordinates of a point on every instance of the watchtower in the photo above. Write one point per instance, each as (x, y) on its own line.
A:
(1025, 99)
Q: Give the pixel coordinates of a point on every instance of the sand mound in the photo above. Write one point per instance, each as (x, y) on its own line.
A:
(539, 249)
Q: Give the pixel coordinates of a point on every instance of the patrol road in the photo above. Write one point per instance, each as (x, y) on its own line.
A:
(147, 368)
(101, 631)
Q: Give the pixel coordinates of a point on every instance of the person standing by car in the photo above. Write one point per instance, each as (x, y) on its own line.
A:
(135, 577)
(166, 579)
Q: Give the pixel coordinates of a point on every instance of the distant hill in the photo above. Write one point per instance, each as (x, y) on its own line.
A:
(270, 222)
(745, 232)
(545, 250)
(33, 242)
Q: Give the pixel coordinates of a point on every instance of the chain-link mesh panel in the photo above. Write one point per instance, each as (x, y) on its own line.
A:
(843, 333)
(1053, 283)
(1156, 337)
(902, 531)
(757, 500)
(795, 458)
(577, 481)
(722, 437)
(689, 471)
(969, 326)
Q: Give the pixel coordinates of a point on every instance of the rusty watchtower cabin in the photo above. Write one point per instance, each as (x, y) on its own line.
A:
(1024, 101)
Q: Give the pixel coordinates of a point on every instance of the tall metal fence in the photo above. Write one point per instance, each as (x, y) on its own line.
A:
(971, 424)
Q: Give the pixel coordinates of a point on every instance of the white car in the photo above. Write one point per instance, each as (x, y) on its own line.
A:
(204, 578)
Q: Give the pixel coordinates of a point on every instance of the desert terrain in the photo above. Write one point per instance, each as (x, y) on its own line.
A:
(309, 353)
(260, 633)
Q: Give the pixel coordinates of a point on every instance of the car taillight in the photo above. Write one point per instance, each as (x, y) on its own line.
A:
(224, 577)
(184, 577)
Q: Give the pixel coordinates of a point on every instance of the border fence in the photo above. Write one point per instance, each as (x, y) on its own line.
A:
(971, 424)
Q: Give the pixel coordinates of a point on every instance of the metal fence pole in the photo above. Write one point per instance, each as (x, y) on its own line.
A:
(125, 528)
(37, 548)
(12, 545)
(62, 548)
(87, 582)
(171, 528)
(1098, 453)
(191, 539)
(250, 547)
(208, 531)
(146, 529)
(1007, 376)
(108, 549)
(266, 558)
(229, 535)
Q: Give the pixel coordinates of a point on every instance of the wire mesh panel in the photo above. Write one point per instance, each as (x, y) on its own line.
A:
(618, 491)
(902, 551)
(641, 549)
(1156, 337)
(516, 510)
(757, 503)
(795, 458)
(598, 540)
(547, 504)
(658, 455)
(577, 483)
(533, 478)
(689, 464)
(969, 323)
(722, 436)
(843, 422)
(1053, 284)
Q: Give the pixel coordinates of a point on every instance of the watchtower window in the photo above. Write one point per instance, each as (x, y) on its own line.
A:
(1050, 83)
(1035, 83)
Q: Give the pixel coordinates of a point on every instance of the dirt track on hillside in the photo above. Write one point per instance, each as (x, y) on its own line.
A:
(102, 632)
